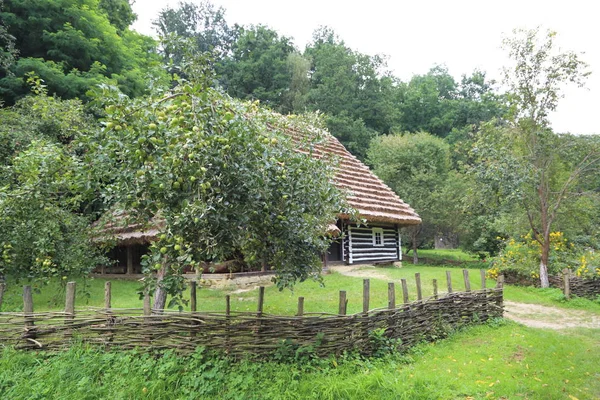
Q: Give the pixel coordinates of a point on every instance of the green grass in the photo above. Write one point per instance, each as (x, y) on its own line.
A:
(505, 361)
(317, 298)
(446, 254)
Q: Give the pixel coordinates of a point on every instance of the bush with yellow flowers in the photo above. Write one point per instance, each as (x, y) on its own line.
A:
(589, 265)
(521, 256)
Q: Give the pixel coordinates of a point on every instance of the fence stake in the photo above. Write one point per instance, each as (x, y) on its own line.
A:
(300, 306)
(28, 306)
(391, 296)
(435, 289)
(147, 313)
(482, 273)
(2, 290)
(500, 282)
(366, 284)
(567, 283)
(418, 282)
(193, 296)
(70, 302)
(147, 305)
(107, 295)
(227, 325)
(261, 300)
(404, 291)
(449, 279)
(466, 279)
(343, 303)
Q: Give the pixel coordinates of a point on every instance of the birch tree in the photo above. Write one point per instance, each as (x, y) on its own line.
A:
(534, 168)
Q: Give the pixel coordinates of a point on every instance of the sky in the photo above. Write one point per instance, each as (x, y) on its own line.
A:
(463, 35)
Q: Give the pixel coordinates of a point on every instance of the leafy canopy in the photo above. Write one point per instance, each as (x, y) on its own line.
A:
(226, 177)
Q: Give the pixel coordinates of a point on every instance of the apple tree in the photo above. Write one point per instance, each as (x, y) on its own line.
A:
(228, 178)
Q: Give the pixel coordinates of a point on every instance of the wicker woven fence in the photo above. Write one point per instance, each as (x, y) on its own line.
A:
(238, 333)
(581, 287)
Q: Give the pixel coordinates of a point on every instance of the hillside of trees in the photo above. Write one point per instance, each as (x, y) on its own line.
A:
(482, 166)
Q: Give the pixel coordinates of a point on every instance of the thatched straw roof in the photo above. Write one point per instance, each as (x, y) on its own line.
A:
(372, 198)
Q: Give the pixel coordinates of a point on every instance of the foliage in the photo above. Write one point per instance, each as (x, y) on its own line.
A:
(415, 165)
(522, 256)
(73, 46)
(224, 176)
(474, 362)
(41, 235)
(352, 88)
(8, 52)
(258, 67)
(44, 227)
(203, 23)
(589, 265)
(524, 161)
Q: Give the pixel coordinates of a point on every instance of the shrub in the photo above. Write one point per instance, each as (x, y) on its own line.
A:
(521, 257)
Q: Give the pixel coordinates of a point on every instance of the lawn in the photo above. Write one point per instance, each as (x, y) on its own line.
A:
(318, 298)
(502, 360)
(446, 254)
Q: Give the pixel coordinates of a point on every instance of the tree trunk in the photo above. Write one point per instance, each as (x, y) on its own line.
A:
(544, 282)
(414, 246)
(160, 294)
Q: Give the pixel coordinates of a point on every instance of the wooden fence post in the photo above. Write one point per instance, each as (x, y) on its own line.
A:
(567, 283)
(2, 290)
(227, 325)
(300, 306)
(467, 281)
(391, 296)
(193, 296)
(107, 295)
(107, 306)
(70, 303)
(261, 300)
(449, 279)
(147, 314)
(482, 274)
(147, 304)
(343, 303)
(28, 306)
(418, 283)
(500, 282)
(435, 289)
(366, 295)
(404, 291)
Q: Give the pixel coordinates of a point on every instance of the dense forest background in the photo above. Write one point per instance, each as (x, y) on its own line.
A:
(481, 165)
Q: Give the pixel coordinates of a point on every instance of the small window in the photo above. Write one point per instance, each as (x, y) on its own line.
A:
(377, 236)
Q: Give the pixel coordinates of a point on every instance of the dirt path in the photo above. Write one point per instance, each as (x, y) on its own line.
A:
(533, 315)
(538, 316)
(359, 271)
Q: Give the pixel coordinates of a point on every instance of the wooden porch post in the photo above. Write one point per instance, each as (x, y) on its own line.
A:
(129, 260)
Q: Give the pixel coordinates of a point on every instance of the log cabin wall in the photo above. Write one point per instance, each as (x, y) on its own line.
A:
(374, 243)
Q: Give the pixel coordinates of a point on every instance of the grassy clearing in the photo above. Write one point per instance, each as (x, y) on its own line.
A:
(446, 254)
(503, 361)
(318, 298)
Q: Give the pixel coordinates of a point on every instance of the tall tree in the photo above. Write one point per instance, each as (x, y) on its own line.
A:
(8, 52)
(415, 165)
(44, 190)
(223, 176)
(536, 168)
(72, 46)
(258, 67)
(201, 22)
(352, 89)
